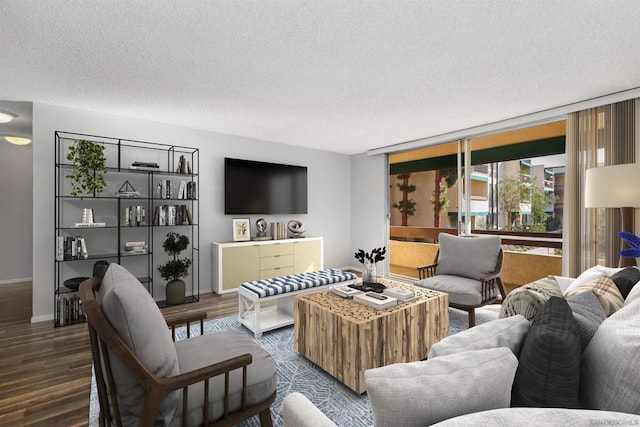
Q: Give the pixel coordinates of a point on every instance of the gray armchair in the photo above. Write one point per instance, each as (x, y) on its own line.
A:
(144, 378)
(468, 269)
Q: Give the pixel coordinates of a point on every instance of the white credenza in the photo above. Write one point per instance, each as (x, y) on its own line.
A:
(237, 262)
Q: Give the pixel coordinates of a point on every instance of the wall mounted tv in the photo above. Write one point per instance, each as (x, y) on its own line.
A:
(259, 188)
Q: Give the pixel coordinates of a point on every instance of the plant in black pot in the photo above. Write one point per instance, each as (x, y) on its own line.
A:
(177, 268)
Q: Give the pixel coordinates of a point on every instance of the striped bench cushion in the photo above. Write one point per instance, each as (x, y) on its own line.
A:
(297, 282)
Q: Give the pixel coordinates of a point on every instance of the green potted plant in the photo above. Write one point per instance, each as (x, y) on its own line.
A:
(90, 166)
(177, 268)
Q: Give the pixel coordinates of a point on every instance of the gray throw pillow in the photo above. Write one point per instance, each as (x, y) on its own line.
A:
(424, 393)
(472, 257)
(508, 332)
(588, 314)
(139, 323)
(528, 299)
(549, 364)
(610, 375)
(626, 279)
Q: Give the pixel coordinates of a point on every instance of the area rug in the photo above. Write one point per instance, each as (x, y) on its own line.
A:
(295, 373)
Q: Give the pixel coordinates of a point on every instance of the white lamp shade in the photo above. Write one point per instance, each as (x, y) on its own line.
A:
(616, 186)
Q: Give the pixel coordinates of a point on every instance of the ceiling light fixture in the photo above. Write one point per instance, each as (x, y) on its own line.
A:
(17, 140)
(6, 116)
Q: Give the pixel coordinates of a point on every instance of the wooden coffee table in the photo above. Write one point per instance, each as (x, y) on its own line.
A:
(346, 338)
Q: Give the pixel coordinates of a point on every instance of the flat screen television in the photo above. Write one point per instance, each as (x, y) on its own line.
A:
(260, 188)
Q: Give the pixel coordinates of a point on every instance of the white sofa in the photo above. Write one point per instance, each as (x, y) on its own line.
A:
(469, 380)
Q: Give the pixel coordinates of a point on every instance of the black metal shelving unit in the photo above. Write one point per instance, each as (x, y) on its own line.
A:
(107, 242)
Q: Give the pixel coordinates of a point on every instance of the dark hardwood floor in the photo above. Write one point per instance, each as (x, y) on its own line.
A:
(45, 372)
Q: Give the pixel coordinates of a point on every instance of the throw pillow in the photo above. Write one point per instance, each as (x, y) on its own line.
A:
(606, 291)
(633, 295)
(548, 373)
(626, 279)
(593, 273)
(472, 257)
(610, 374)
(588, 313)
(528, 299)
(508, 332)
(423, 393)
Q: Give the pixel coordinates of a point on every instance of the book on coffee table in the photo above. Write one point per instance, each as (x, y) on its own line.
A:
(400, 294)
(345, 291)
(375, 300)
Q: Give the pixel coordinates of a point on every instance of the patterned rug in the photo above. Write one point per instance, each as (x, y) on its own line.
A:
(295, 373)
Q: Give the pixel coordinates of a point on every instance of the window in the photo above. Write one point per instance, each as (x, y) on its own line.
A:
(515, 189)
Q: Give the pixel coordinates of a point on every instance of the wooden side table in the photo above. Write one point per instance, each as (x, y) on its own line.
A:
(346, 338)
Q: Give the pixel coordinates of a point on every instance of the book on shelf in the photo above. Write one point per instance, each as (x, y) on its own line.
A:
(172, 215)
(90, 224)
(83, 248)
(145, 166)
(148, 164)
(69, 309)
(375, 300)
(158, 194)
(182, 190)
(165, 193)
(59, 248)
(135, 216)
(68, 248)
(187, 210)
(191, 190)
(135, 247)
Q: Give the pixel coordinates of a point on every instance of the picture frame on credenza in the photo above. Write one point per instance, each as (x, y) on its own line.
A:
(241, 229)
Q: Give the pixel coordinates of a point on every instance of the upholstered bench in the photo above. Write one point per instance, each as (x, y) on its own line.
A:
(282, 291)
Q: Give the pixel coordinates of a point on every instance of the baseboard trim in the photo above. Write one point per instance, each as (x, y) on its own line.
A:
(43, 318)
(11, 281)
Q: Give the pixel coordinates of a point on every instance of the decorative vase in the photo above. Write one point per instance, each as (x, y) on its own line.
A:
(369, 272)
(175, 292)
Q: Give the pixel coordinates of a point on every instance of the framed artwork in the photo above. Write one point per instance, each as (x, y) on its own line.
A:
(241, 230)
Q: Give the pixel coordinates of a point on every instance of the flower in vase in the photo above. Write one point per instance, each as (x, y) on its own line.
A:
(634, 245)
(374, 256)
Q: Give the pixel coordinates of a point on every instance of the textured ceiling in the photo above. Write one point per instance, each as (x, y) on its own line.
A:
(342, 76)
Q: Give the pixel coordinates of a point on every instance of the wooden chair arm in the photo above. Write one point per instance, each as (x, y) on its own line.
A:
(490, 283)
(173, 321)
(490, 276)
(428, 270)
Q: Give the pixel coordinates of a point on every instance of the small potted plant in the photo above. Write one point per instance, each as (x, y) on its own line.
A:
(90, 166)
(177, 268)
(369, 260)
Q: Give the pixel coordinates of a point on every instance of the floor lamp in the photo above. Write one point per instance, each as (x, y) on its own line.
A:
(616, 186)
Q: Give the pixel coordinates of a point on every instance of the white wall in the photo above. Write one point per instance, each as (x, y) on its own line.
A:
(369, 205)
(15, 221)
(329, 185)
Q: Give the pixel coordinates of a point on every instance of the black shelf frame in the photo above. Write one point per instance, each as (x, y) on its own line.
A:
(171, 153)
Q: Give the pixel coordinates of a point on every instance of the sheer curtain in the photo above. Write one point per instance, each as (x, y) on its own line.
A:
(599, 136)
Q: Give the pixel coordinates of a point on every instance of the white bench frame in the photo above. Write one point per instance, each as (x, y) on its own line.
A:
(258, 319)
